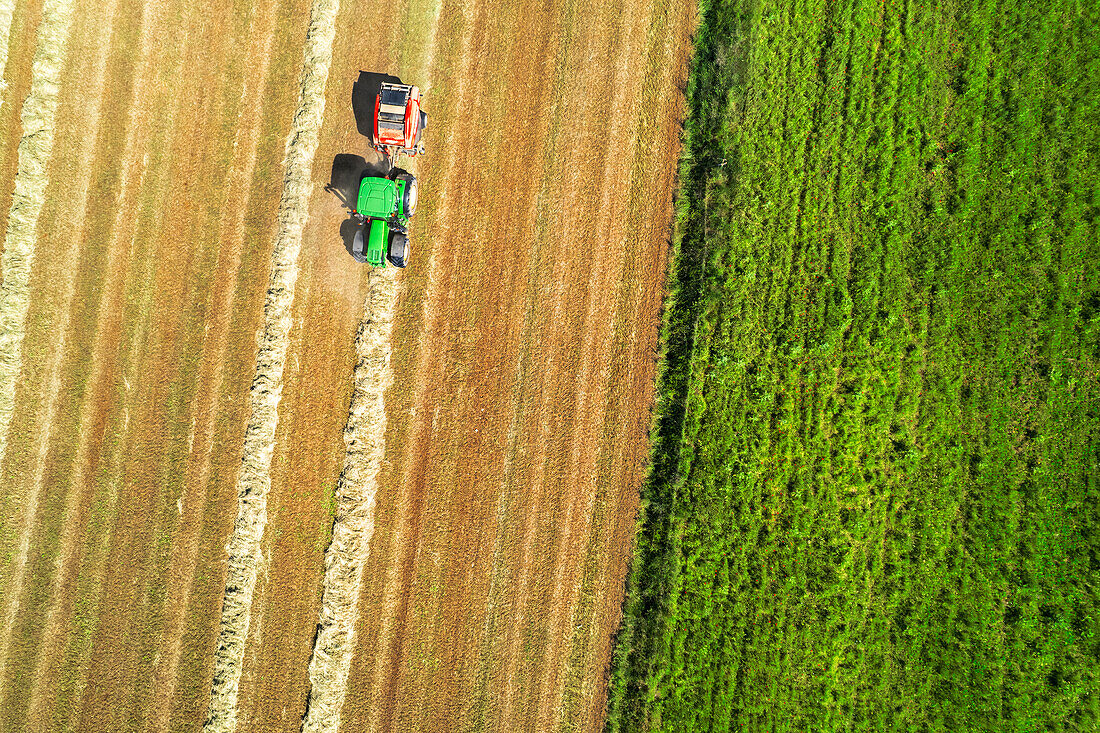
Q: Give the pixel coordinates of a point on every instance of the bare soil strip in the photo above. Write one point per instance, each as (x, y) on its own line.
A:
(254, 480)
(48, 401)
(35, 148)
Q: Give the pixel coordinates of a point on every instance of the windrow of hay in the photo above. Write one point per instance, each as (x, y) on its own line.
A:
(364, 438)
(31, 177)
(254, 478)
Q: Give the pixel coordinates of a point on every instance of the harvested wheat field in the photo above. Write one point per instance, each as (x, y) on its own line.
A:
(196, 378)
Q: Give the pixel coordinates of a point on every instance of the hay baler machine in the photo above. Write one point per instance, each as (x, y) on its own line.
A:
(399, 123)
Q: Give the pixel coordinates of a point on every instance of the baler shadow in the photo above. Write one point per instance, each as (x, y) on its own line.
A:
(363, 93)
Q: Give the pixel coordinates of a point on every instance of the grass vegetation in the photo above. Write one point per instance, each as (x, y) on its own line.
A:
(874, 501)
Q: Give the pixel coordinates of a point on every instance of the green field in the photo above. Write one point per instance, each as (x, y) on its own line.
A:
(875, 494)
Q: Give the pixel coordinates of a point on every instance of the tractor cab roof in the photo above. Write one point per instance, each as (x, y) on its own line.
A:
(377, 198)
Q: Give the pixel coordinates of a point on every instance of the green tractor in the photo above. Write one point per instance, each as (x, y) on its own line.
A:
(384, 207)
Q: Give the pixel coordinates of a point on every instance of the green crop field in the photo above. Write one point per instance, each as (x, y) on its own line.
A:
(875, 494)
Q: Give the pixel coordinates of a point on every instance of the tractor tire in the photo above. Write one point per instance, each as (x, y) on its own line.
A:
(399, 250)
(412, 194)
(412, 189)
(359, 242)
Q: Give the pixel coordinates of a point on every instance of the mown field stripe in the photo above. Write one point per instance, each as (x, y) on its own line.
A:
(231, 238)
(35, 148)
(48, 399)
(254, 479)
(655, 124)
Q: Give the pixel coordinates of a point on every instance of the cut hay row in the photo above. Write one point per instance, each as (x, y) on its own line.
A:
(35, 147)
(364, 438)
(254, 479)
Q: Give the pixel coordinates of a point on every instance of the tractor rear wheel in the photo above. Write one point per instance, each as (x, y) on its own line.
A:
(399, 250)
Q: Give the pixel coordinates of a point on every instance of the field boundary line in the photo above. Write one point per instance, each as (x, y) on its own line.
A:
(35, 149)
(254, 478)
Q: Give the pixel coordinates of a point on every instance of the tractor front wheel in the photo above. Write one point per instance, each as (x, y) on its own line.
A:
(409, 199)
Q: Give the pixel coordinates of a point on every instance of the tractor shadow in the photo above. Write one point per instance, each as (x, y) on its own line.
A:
(363, 93)
(348, 171)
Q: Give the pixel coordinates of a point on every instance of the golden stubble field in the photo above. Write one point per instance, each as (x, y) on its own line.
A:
(176, 293)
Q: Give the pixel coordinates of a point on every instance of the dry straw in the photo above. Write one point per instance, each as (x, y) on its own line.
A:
(254, 478)
(7, 10)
